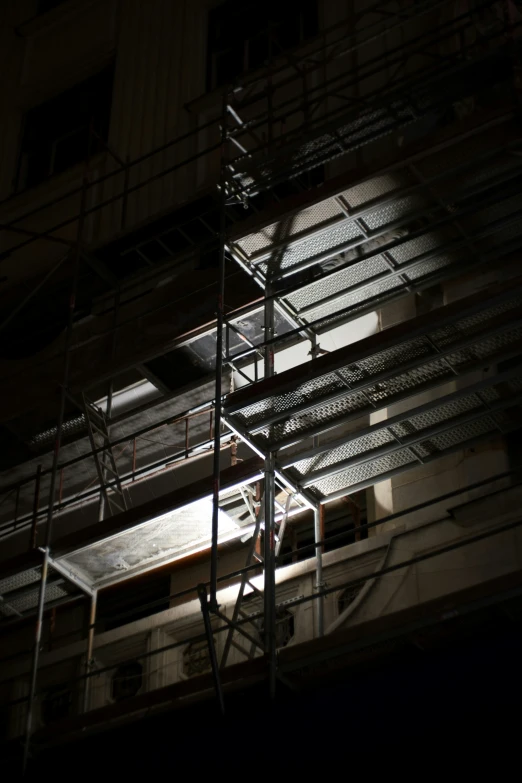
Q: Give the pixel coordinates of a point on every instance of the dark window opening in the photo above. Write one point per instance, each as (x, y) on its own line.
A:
(514, 451)
(127, 680)
(285, 627)
(48, 5)
(56, 705)
(57, 133)
(245, 34)
(119, 606)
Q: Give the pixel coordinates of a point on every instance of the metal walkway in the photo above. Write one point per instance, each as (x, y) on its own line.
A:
(449, 346)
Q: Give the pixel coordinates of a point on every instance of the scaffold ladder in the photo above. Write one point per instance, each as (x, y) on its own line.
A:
(240, 614)
(103, 454)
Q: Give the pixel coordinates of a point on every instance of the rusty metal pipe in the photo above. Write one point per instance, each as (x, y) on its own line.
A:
(36, 503)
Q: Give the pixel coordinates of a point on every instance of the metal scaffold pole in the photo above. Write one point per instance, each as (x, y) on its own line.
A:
(269, 537)
(318, 535)
(108, 411)
(269, 562)
(202, 594)
(90, 648)
(54, 472)
(220, 314)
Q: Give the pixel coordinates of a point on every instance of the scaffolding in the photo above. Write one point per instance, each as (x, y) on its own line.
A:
(399, 225)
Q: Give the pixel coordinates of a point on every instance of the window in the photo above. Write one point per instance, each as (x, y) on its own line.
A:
(47, 5)
(196, 659)
(245, 34)
(56, 705)
(127, 680)
(285, 627)
(56, 133)
(347, 596)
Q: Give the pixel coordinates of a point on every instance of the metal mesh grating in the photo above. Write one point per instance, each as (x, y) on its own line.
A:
(377, 186)
(309, 391)
(379, 468)
(365, 472)
(336, 283)
(359, 275)
(464, 433)
(495, 211)
(429, 267)
(512, 231)
(322, 403)
(393, 211)
(471, 324)
(414, 247)
(29, 600)
(312, 217)
(427, 93)
(492, 394)
(352, 448)
(410, 429)
(417, 378)
(317, 244)
(471, 177)
(71, 427)
(357, 402)
(387, 360)
(371, 125)
(373, 366)
(19, 580)
(438, 415)
(328, 413)
(486, 348)
(351, 304)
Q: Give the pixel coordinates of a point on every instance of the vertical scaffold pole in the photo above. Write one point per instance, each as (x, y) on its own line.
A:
(54, 472)
(90, 648)
(318, 533)
(269, 563)
(202, 594)
(220, 315)
(110, 389)
(269, 538)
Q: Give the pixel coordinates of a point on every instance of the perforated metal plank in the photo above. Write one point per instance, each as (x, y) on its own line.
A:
(317, 221)
(381, 369)
(29, 600)
(388, 223)
(455, 176)
(367, 278)
(20, 592)
(459, 432)
(354, 281)
(389, 389)
(428, 93)
(415, 429)
(17, 581)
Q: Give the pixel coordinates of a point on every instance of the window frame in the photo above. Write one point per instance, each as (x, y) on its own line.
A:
(22, 180)
(248, 65)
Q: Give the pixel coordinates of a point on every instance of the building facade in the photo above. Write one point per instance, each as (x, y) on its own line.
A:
(260, 344)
